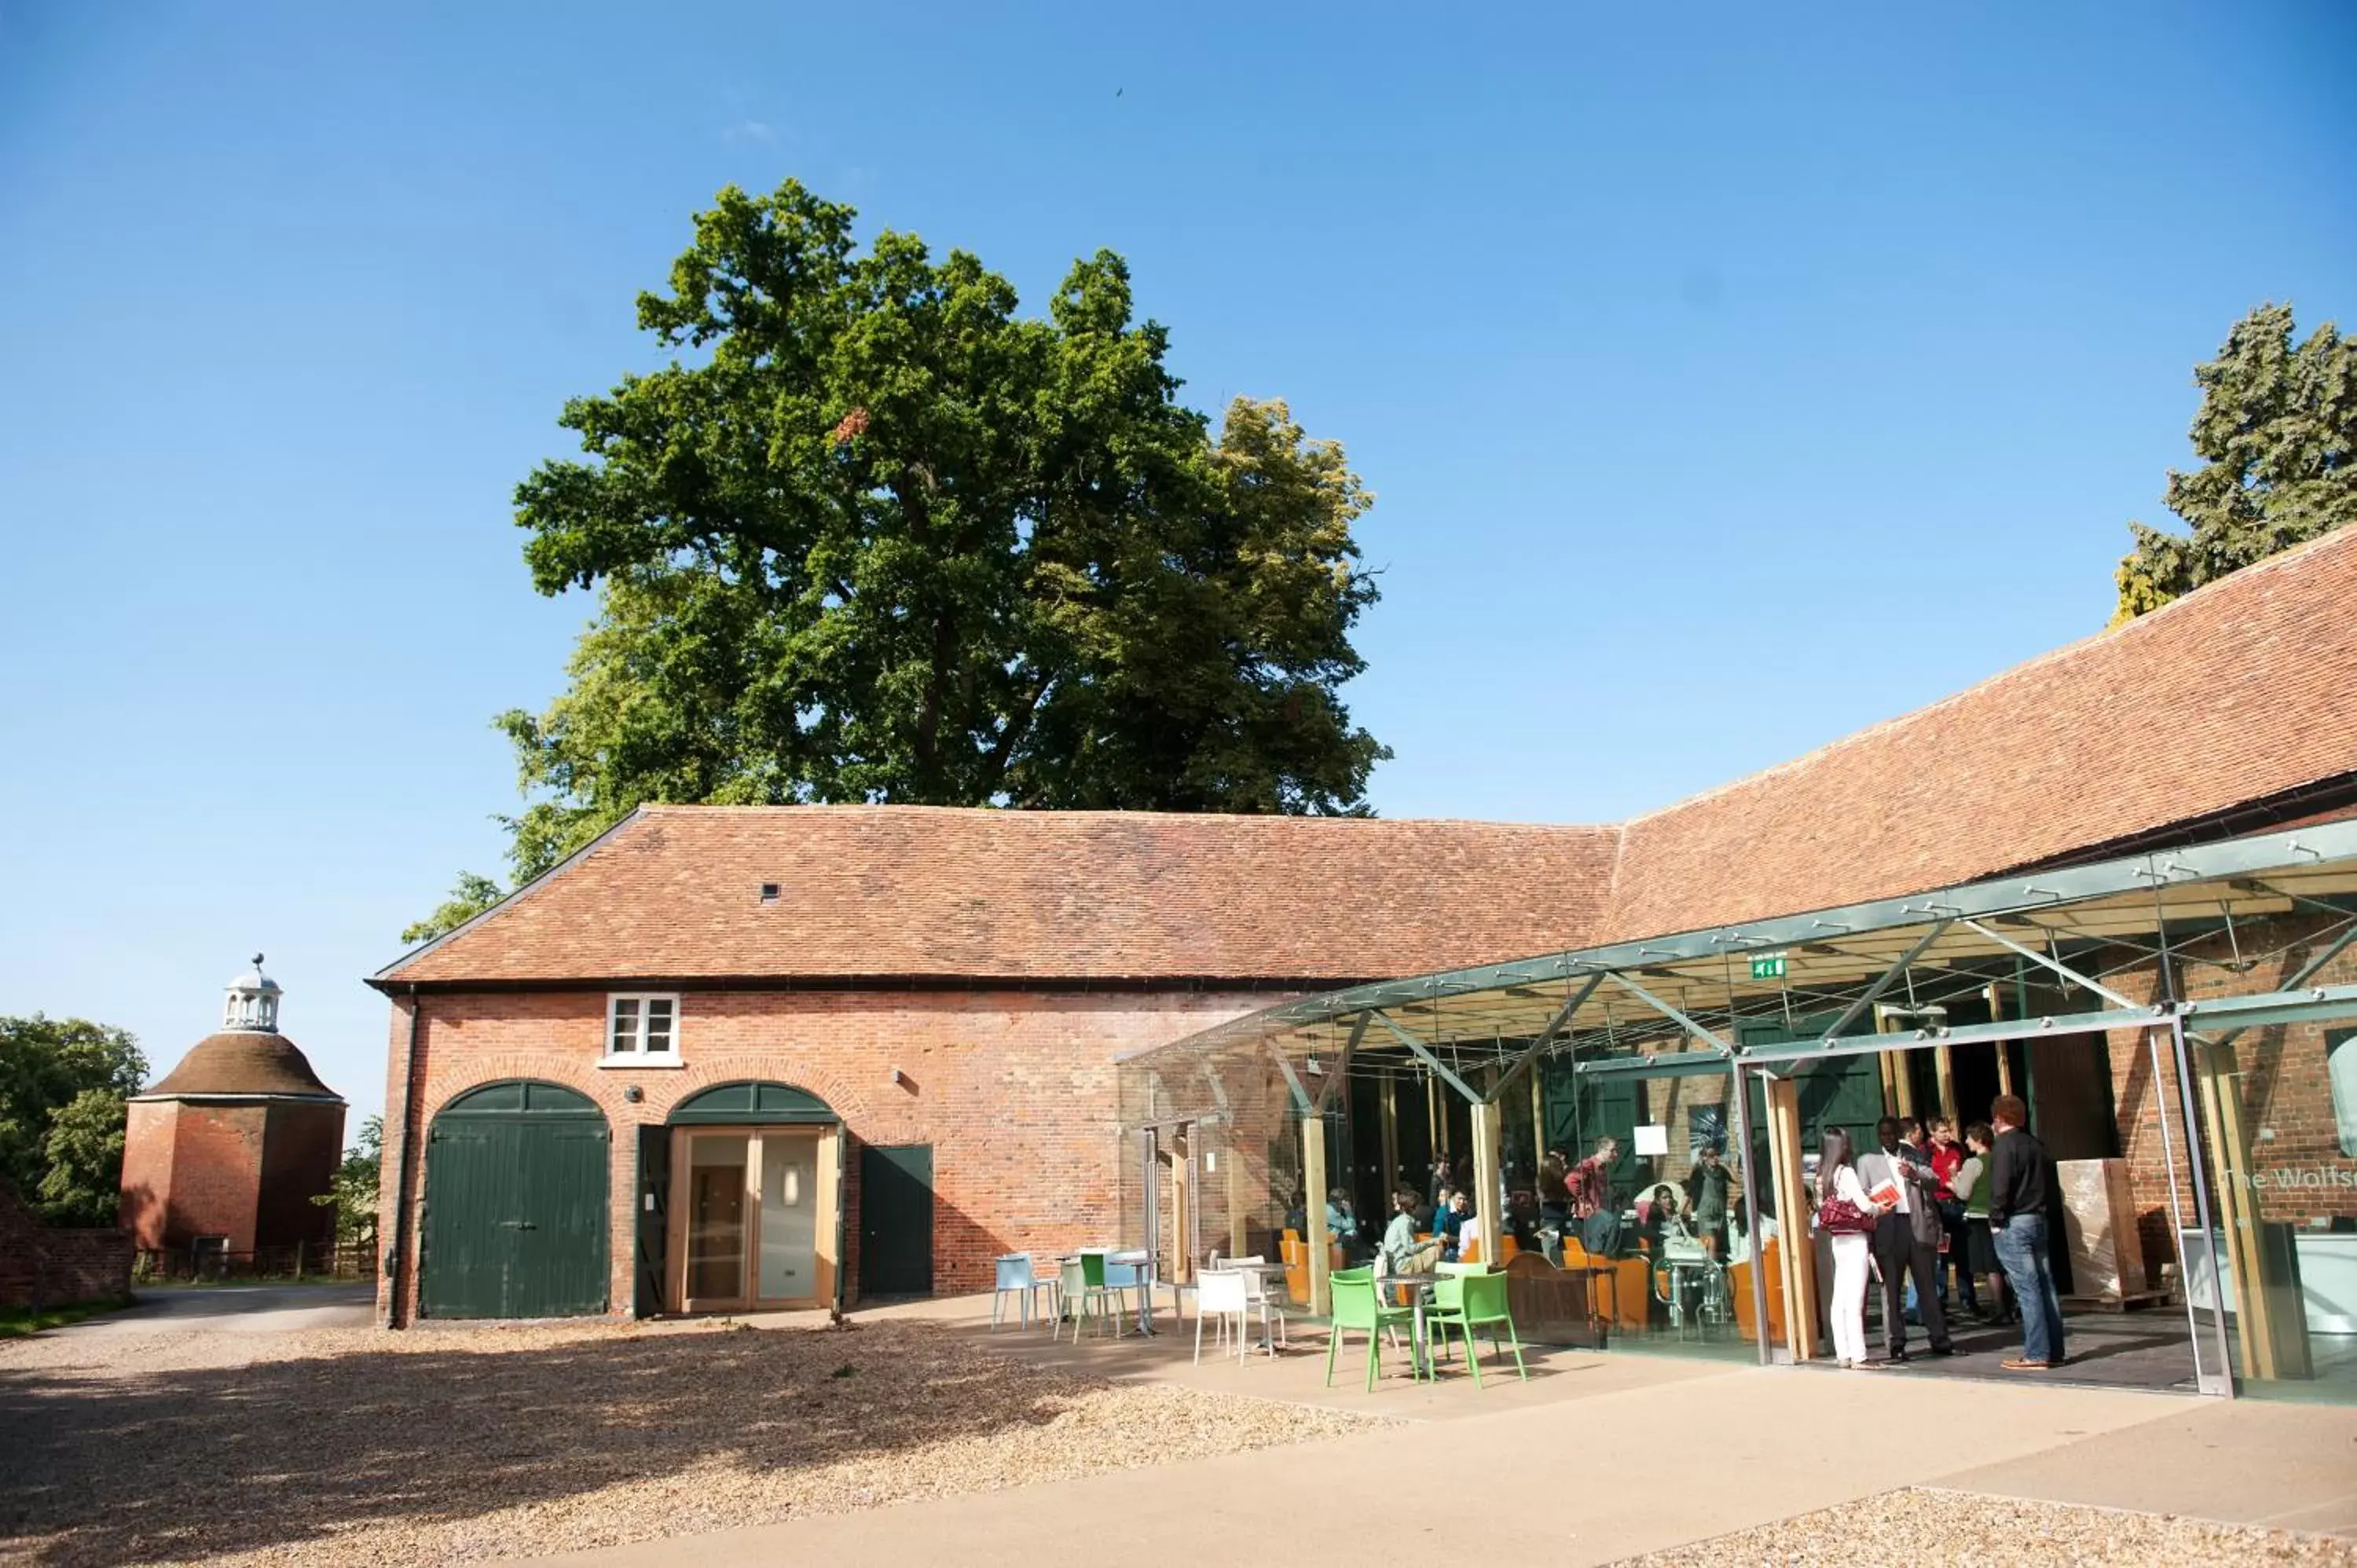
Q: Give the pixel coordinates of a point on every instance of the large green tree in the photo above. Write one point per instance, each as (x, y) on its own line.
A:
(63, 1084)
(874, 535)
(2278, 437)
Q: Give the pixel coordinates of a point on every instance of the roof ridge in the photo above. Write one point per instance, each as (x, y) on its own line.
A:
(1033, 814)
(2240, 579)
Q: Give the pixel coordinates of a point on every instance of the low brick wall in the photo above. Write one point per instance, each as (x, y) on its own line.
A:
(44, 1267)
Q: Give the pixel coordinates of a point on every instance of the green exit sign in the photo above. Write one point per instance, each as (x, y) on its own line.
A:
(1767, 966)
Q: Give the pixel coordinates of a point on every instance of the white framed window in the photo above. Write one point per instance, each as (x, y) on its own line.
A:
(641, 1029)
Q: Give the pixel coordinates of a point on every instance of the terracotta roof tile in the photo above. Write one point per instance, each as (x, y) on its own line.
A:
(923, 891)
(2236, 694)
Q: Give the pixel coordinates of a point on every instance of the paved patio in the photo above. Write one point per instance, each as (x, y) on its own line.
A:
(1687, 1450)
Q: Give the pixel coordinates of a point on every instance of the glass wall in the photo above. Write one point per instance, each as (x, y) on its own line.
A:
(2278, 1111)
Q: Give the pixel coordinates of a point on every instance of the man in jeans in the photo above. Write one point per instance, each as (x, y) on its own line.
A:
(2018, 1186)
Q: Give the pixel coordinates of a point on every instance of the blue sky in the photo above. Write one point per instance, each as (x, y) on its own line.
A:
(1728, 380)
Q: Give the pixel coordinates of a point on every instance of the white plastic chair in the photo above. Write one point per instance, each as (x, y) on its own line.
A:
(1017, 1278)
(1223, 1294)
(1257, 1294)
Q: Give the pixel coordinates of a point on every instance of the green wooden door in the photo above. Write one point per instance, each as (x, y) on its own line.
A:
(1578, 1108)
(516, 1220)
(896, 1219)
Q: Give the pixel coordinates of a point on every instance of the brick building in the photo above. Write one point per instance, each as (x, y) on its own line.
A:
(889, 1036)
(224, 1155)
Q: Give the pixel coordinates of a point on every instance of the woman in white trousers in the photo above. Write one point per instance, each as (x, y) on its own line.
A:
(1837, 1178)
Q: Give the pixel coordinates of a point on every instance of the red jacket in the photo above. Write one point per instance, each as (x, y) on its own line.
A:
(1946, 1160)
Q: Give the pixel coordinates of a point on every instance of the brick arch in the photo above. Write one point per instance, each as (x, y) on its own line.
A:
(765, 1066)
(488, 1070)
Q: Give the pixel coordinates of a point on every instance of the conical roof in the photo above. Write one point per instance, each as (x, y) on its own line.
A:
(242, 1061)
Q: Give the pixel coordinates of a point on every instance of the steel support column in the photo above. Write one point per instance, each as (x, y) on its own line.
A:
(2223, 1379)
(1751, 1212)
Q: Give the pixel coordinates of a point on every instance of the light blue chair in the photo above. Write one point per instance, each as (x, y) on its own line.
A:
(1016, 1279)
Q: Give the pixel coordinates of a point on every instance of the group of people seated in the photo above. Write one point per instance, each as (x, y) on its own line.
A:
(1695, 1217)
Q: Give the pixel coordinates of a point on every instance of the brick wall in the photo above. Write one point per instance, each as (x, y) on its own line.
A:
(147, 1172)
(245, 1169)
(1015, 1091)
(42, 1267)
(302, 1146)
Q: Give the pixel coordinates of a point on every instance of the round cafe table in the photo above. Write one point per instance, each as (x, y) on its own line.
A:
(1419, 1286)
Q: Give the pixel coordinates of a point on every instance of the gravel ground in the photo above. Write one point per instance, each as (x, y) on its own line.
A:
(354, 1445)
(1923, 1528)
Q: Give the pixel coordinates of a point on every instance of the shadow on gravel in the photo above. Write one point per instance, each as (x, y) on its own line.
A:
(138, 1466)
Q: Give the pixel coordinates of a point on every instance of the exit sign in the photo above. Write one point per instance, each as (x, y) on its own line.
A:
(1767, 966)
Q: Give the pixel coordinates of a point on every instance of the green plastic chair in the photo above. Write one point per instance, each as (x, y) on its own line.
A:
(1467, 1302)
(1357, 1311)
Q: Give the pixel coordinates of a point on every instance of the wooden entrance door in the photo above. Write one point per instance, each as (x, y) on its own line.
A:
(752, 1217)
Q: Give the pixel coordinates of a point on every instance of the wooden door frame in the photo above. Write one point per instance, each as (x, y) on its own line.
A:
(827, 1198)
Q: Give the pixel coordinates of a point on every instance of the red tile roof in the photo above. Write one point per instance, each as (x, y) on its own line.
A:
(917, 891)
(2243, 691)
(2240, 692)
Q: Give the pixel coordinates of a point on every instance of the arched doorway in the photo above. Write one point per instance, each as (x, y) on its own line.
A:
(743, 1204)
(516, 1217)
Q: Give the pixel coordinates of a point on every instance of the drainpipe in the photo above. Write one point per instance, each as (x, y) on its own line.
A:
(400, 1271)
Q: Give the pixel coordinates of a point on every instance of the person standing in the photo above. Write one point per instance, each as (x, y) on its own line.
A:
(1980, 1256)
(1710, 1186)
(2019, 1185)
(1906, 1240)
(1847, 1217)
(1590, 1186)
(1948, 1158)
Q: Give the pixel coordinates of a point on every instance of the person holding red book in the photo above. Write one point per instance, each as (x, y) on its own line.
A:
(1906, 1239)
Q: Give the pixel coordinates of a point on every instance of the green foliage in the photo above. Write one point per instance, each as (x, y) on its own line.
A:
(63, 1082)
(84, 1149)
(2278, 437)
(876, 537)
(471, 897)
(353, 1194)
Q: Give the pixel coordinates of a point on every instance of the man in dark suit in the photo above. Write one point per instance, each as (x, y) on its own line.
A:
(1906, 1240)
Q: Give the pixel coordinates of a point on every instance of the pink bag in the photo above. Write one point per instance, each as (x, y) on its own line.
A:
(1840, 1216)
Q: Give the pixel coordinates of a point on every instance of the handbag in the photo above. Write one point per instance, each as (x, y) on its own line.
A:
(1840, 1216)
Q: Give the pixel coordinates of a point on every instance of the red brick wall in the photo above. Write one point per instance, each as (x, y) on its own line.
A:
(243, 1169)
(1015, 1091)
(302, 1147)
(41, 1267)
(147, 1172)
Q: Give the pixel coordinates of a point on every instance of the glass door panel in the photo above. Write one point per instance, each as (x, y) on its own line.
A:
(715, 1217)
(788, 1229)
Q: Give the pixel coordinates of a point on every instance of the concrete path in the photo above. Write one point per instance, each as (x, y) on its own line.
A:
(1585, 1478)
(237, 1309)
(2252, 1462)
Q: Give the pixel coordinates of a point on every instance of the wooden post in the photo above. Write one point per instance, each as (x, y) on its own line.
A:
(1313, 1211)
(1996, 994)
(1487, 1207)
(1391, 1142)
(1538, 1125)
(1182, 1208)
(2270, 1349)
(1947, 1059)
(1795, 1245)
